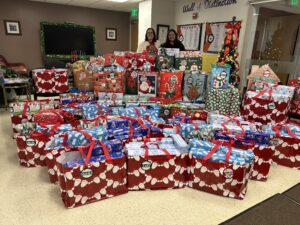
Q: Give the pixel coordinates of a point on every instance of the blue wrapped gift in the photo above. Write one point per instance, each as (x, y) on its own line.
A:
(135, 112)
(200, 149)
(117, 123)
(74, 159)
(76, 138)
(60, 129)
(199, 131)
(112, 146)
(292, 127)
(91, 111)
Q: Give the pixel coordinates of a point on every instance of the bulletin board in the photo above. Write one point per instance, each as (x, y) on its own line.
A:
(190, 36)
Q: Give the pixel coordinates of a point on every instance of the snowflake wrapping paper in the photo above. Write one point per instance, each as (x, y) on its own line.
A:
(201, 132)
(113, 146)
(50, 81)
(220, 178)
(98, 180)
(165, 167)
(91, 111)
(135, 112)
(80, 97)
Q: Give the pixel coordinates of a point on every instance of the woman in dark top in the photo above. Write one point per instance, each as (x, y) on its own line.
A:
(172, 41)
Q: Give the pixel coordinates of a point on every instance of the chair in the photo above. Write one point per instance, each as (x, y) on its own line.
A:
(19, 68)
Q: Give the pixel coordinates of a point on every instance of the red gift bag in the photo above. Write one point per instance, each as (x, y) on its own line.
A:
(31, 149)
(265, 110)
(229, 180)
(295, 107)
(170, 85)
(287, 149)
(50, 81)
(93, 181)
(149, 172)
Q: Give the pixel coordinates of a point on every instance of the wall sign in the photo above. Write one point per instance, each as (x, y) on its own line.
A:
(188, 8)
(218, 3)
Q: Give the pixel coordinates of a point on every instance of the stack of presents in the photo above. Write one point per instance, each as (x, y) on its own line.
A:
(140, 122)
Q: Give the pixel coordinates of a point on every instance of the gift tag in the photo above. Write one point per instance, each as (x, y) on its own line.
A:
(228, 174)
(146, 165)
(31, 142)
(86, 173)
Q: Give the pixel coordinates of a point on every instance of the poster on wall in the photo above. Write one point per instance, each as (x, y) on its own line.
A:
(214, 37)
(190, 35)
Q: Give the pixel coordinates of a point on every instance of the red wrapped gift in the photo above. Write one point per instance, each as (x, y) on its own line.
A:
(170, 85)
(267, 106)
(287, 148)
(50, 81)
(139, 61)
(109, 82)
(90, 181)
(111, 59)
(31, 149)
(147, 172)
(295, 107)
(225, 179)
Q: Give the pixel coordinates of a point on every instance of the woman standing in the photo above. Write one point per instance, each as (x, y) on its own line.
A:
(172, 41)
(150, 45)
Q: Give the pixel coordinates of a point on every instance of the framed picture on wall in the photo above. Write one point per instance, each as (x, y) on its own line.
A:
(12, 27)
(111, 34)
(190, 36)
(162, 32)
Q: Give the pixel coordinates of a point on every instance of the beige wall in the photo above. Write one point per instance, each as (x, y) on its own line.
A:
(26, 48)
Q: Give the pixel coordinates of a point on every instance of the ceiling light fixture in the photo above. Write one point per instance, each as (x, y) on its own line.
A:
(119, 1)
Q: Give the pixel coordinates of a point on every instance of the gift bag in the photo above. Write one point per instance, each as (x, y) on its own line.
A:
(219, 77)
(270, 105)
(156, 165)
(295, 107)
(109, 81)
(131, 82)
(286, 144)
(147, 82)
(52, 81)
(188, 63)
(219, 169)
(84, 179)
(139, 62)
(170, 85)
(225, 101)
(166, 58)
(69, 141)
(83, 75)
(195, 84)
(261, 77)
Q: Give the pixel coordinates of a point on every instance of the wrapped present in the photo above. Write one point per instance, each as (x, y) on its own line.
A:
(91, 111)
(271, 105)
(53, 129)
(295, 107)
(155, 165)
(286, 144)
(109, 81)
(131, 81)
(202, 132)
(96, 64)
(91, 180)
(261, 77)
(147, 84)
(139, 62)
(188, 63)
(195, 84)
(219, 77)
(170, 85)
(22, 112)
(189, 54)
(83, 75)
(135, 98)
(80, 97)
(54, 117)
(113, 146)
(219, 169)
(113, 60)
(110, 98)
(50, 81)
(135, 112)
(225, 101)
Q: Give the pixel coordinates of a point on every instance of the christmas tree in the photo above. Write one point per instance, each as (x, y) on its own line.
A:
(229, 54)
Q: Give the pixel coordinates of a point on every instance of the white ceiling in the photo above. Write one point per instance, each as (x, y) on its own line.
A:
(98, 4)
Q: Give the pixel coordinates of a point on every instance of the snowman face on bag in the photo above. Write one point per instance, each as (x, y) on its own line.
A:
(267, 73)
(221, 76)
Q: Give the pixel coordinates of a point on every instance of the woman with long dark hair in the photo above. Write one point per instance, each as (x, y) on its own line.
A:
(151, 44)
(172, 41)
